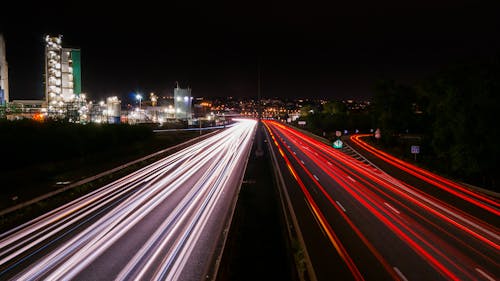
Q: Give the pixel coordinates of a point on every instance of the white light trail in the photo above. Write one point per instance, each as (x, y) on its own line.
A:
(193, 181)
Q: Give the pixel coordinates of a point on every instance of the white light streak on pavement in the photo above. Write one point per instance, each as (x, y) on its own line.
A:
(195, 184)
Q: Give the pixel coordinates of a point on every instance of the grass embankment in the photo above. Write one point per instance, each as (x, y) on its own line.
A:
(38, 158)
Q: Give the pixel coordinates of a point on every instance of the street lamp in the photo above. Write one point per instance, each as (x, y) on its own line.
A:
(139, 97)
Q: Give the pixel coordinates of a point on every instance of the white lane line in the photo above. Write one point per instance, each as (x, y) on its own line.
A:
(485, 275)
(316, 177)
(329, 163)
(341, 207)
(392, 208)
(400, 274)
(294, 153)
(302, 162)
(353, 180)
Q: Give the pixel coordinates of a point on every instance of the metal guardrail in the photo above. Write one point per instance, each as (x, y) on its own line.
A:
(292, 223)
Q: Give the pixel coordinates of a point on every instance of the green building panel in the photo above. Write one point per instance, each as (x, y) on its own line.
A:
(77, 71)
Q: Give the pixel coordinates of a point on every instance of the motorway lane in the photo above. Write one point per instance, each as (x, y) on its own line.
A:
(164, 221)
(411, 235)
(326, 259)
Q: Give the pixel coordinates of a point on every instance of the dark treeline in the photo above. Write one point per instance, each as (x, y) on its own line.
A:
(27, 142)
(334, 115)
(451, 115)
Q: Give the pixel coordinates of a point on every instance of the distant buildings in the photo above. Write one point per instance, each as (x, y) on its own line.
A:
(183, 103)
(64, 99)
(4, 74)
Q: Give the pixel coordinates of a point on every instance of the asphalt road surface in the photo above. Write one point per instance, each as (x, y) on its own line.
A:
(166, 221)
(360, 223)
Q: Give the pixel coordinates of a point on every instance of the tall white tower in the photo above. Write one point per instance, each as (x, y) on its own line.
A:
(53, 75)
(4, 74)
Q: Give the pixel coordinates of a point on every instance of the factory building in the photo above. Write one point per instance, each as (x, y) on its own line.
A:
(62, 78)
(183, 103)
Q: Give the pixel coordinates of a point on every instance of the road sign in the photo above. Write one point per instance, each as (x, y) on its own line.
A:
(377, 134)
(415, 149)
(338, 133)
(337, 144)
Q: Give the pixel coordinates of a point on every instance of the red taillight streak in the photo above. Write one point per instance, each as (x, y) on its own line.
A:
(322, 148)
(418, 203)
(426, 175)
(367, 203)
(337, 244)
(390, 225)
(372, 249)
(463, 243)
(429, 209)
(356, 166)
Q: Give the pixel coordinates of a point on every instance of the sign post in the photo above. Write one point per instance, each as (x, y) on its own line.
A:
(415, 149)
(377, 134)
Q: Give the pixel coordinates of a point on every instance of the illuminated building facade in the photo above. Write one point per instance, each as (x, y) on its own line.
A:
(182, 103)
(62, 77)
(4, 74)
(113, 110)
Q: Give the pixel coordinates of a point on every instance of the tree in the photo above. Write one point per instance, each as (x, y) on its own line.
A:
(463, 108)
(394, 107)
(334, 108)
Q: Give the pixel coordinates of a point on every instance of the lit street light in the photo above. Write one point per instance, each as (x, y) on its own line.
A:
(139, 97)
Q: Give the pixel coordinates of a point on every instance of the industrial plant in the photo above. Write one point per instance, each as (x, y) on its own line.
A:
(64, 99)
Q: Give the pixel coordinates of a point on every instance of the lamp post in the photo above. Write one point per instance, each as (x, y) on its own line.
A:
(139, 97)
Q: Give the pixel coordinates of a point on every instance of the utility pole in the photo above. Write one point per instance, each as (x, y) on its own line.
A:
(259, 152)
(259, 109)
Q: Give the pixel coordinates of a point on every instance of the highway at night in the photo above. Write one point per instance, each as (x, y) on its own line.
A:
(166, 221)
(360, 223)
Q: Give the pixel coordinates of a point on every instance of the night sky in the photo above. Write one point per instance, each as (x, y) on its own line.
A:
(305, 49)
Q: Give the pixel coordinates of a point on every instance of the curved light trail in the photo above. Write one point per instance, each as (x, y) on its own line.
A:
(481, 200)
(439, 240)
(162, 222)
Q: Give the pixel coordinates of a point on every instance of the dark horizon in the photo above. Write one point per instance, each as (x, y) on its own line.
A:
(318, 51)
